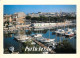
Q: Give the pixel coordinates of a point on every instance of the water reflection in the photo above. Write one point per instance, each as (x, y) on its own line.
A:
(9, 38)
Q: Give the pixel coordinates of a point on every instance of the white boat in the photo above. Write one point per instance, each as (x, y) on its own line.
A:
(47, 40)
(60, 31)
(11, 49)
(75, 32)
(50, 43)
(40, 38)
(68, 29)
(38, 35)
(22, 38)
(70, 33)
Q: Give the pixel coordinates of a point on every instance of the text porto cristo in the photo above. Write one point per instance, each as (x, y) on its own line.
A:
(37, 49)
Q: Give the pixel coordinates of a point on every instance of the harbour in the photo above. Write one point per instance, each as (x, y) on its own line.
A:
(10, 41)
(46, 32)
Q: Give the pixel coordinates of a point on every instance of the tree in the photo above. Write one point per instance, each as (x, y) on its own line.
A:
(64, 47)
(28, 17)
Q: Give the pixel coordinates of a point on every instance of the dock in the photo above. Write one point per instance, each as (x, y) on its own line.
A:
(42, 45)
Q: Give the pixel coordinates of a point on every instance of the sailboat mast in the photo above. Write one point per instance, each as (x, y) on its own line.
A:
(49, 28)
(56, 33)
(42, 22)
(64, 28)
(61, 28)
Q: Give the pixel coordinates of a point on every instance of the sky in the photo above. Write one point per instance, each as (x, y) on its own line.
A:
(11, 9)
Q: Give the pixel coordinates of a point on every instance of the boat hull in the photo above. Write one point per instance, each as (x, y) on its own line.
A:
(70, 35)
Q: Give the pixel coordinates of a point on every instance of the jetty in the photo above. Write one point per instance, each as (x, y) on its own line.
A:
(42, 45)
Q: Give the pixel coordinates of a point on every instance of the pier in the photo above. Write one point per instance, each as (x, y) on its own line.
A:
(42, 45)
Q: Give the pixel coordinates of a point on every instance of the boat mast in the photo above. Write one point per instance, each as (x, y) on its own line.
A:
(56, 28)
(49, 28)
(42, 22)
(61, 29)
(64, 29)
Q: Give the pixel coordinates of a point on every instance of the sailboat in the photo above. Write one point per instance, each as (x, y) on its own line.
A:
(69, 32)
(38, 34)
(21, 37)
(48, 40)
(60, 32)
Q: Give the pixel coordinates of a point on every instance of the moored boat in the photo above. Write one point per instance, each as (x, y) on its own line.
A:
(70, 34)
(60, 32)
(47, 40)
(22, 38)
(38, 35)
(11, 49)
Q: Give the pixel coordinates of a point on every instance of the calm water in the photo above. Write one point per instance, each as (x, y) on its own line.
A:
(9, 41)
(46, 33)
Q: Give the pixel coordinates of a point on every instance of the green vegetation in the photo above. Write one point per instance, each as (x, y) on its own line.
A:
(64, 47)
(28, 17)
(52, 19)
(28, 44)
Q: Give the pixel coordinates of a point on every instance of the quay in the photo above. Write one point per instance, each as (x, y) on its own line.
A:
(52, 25)
(11, 29)
(42, 45)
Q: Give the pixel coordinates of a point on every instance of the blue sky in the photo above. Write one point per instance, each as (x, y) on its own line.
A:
(11, 9)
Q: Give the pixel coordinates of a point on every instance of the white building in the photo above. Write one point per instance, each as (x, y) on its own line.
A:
(43, 25)
(19, 14)
(33, 14)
